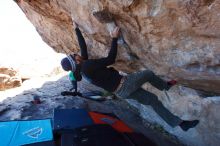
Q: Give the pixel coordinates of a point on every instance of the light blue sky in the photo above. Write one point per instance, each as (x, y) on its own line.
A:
(19, 40)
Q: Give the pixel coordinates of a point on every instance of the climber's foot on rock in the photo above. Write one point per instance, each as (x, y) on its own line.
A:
(186, 125)
(171, 83)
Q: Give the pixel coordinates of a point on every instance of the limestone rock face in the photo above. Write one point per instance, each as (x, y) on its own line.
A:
(174, 38)
(9, 78)
(187, 104)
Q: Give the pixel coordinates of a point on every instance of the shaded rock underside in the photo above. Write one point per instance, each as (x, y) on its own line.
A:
(176, 39)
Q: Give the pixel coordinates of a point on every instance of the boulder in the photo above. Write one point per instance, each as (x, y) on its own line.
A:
(9, 78)
(178, 39)
(174, 38)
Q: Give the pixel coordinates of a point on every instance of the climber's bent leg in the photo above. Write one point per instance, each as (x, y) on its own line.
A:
(136, 80)
(147, 98)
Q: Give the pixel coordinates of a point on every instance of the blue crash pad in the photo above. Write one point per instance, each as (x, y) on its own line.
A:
(16, 133)
(71, 118)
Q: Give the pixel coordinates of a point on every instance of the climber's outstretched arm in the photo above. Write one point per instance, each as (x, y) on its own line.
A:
(82, 43)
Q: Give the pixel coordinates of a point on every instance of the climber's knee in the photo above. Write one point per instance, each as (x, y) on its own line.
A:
(149, 74)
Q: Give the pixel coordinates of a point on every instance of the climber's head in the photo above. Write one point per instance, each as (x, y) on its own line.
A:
(70, 62)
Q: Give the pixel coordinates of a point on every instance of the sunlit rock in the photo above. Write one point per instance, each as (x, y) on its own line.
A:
(174, 38)
(9, 78)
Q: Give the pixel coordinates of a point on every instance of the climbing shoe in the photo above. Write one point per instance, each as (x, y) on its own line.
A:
(186, 125)
(171, 83)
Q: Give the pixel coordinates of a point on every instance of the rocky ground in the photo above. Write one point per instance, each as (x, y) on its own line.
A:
(16, 107)
(15, 104)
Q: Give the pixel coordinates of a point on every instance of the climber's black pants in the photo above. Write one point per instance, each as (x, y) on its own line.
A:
(131, 88)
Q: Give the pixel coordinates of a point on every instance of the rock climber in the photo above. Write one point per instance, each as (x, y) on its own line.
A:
(98, 72)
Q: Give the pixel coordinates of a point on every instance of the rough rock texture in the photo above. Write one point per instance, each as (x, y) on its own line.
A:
(19, 107)
(9, 78)
(49, 89)
(174, 38)
(187, 104)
